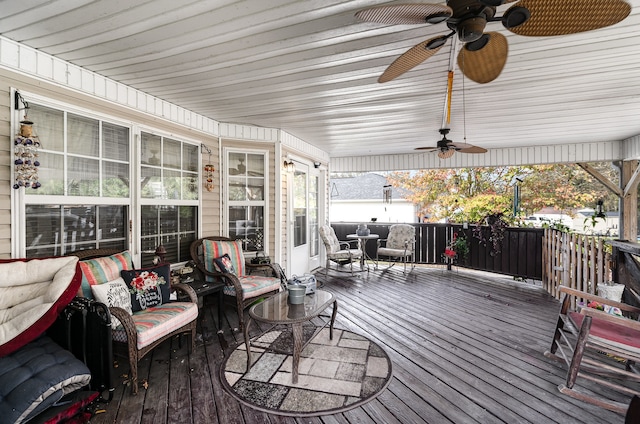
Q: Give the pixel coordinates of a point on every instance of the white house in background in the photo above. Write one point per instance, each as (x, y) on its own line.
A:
(608, 226)
(361, 198)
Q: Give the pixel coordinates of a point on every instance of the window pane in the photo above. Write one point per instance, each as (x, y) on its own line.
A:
(255, 165)
(151, 184)
(173, 227)
(246, 223)
(79, 228)
(82, 135)
(115, 142)
(188, 218)
(112, 222)
(172, 184)
(44, 230)
(168, 219)
(84, 177)
(171, 154)
(190, 186)
(150, 149)
(50, 174)
(57, 230)
(255, 189)
(190, 157)
(237, 164)
(237, 189)
(49, 126)
(150, 220)
(115, 179)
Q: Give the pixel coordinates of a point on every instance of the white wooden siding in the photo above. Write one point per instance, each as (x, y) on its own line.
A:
(586, 152)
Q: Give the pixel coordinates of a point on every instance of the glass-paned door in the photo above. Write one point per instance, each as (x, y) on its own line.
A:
(299, 213)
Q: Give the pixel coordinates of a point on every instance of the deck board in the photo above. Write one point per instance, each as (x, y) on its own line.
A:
(466, 347)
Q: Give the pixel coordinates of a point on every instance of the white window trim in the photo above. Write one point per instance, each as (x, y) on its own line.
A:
(226, 202)
(20, 198)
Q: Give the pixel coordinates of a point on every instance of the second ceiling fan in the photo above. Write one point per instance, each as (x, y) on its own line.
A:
(485, 54)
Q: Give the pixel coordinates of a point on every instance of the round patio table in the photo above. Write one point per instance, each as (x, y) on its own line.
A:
(277, 310)
(362, 240)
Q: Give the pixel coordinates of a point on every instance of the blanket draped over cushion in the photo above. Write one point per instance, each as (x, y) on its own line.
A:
(32, 294)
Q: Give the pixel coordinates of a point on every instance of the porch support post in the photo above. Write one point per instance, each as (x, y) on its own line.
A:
(629, 202)
(627, 194)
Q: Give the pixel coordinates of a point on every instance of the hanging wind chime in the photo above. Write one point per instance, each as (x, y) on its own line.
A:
(208, 171)
(26, 145)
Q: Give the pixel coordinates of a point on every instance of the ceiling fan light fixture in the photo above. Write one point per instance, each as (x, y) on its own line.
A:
(515, 17)
(479, 44)
(436, 18)
(471, 29)
(446, 153)
(436, 43)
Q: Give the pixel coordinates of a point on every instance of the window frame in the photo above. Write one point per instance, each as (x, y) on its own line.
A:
(22, 198)
(264, 203)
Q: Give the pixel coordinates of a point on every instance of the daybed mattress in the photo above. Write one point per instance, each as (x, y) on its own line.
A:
(35, 377)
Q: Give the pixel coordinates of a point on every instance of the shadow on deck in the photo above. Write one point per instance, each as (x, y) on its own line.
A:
(466, 348)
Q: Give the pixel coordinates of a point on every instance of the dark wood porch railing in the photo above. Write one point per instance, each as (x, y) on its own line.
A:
(520, 255)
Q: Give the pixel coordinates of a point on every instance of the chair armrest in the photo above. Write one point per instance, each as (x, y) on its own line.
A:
(228, 278)
(260, 267)
(593, 297)
(602, 315)
(347, 244)
(187, 290)
(127, 323)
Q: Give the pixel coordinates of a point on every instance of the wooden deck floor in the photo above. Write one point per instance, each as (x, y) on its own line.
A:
(465, 347)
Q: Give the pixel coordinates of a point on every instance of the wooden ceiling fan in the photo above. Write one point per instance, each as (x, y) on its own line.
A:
(486, 52)
(446, 148)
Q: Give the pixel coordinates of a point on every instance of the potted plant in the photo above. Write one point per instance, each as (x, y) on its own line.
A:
(458, 249)
(497, 225)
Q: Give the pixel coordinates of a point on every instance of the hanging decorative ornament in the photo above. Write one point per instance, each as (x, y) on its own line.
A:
(208, 177)
(26, 145)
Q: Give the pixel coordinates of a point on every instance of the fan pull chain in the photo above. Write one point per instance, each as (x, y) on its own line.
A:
(464, 106)
(449, 93)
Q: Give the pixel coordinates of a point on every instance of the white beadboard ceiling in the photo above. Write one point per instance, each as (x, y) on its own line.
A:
(310, 68)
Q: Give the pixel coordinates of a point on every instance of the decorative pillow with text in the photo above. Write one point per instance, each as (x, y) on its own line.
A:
(148, 287)
(113, 293)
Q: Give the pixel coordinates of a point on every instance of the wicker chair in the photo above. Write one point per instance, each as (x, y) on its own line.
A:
(130, 344)
(243, 278)
(400, 244)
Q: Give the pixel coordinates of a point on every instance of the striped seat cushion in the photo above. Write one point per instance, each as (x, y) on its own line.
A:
(102, 270)
(155, 322)
(254, 285)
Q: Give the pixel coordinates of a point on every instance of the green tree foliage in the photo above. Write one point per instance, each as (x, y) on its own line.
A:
(470, 194)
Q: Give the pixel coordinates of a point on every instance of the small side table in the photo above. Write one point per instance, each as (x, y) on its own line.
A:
(205, 288)
(362, 240)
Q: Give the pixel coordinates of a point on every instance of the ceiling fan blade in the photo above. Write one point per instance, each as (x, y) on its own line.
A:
(552, 17)
(398, 14)
(482, 60)
(431, 149)
(473, 149)
(408, 60)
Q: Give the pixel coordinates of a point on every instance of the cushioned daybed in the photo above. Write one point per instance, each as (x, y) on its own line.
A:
(35, 372)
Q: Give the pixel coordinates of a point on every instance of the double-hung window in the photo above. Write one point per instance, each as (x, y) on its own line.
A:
(246, 198)
(169, 191)
(84, 198)
(100, 189)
